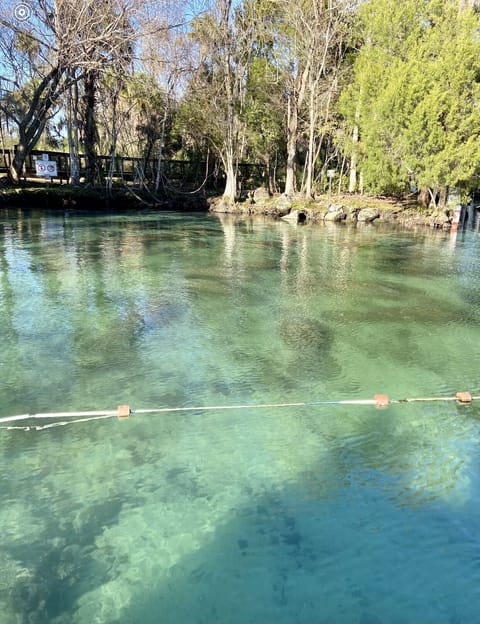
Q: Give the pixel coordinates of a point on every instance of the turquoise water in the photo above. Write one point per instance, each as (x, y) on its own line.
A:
(310, 515)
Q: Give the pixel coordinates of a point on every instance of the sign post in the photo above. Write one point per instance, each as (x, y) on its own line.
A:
(330, 176)
(46, 168)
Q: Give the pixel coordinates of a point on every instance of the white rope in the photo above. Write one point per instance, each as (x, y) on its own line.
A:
(58, 415)
(56, 424)
(78, 417)
(431, 399)
(217, 407)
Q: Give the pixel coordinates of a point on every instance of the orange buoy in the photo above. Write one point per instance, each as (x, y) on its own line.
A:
(123, 411)
(464, 397)
(381, 400)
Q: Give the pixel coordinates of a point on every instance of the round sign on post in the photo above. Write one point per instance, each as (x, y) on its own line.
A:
(46, 168)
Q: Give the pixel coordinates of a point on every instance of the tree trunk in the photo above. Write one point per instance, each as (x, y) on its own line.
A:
(72, 132)
(424, 197)
(31, 126)
(311, 148)
(28, 138)
(270, 175)
(158, 177)
(16, 166)
(113, 146)
(443, 192)
(292, 128)
(231, 139)
(230, 192)
(352, 184)
(90, 131)
(295, 101)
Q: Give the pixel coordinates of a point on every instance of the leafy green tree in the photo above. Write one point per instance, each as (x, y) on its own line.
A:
(413, 103)
(441, 141)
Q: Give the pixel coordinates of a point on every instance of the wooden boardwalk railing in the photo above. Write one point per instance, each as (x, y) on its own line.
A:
(131, 169)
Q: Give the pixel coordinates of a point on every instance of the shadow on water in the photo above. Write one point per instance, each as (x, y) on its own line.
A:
(338, 543)
(294, 558)
(247, 573)
(65, 568)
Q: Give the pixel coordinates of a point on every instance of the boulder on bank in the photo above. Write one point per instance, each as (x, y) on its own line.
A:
(260, 195)
(440, 218)
(295, 216)
(283, 205)
(368, 215)
(335, 213)
(352, 214)
(221, 205)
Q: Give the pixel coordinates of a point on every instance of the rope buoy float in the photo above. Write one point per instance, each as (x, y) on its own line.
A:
(124, 411)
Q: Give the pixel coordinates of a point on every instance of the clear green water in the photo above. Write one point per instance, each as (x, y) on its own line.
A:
(306, 515)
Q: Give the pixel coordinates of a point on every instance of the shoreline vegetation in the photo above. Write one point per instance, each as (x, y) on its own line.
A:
(338, 208)
(377, 97)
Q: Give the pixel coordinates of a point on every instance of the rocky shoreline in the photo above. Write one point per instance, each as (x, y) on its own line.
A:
(342, 209)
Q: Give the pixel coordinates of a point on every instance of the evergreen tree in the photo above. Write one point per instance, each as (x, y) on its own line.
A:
(414, 96)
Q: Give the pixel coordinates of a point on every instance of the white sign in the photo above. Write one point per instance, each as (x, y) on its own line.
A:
(46, 168)
(331, 173)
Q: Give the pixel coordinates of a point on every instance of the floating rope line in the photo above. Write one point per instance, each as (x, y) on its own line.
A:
(124, 411)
